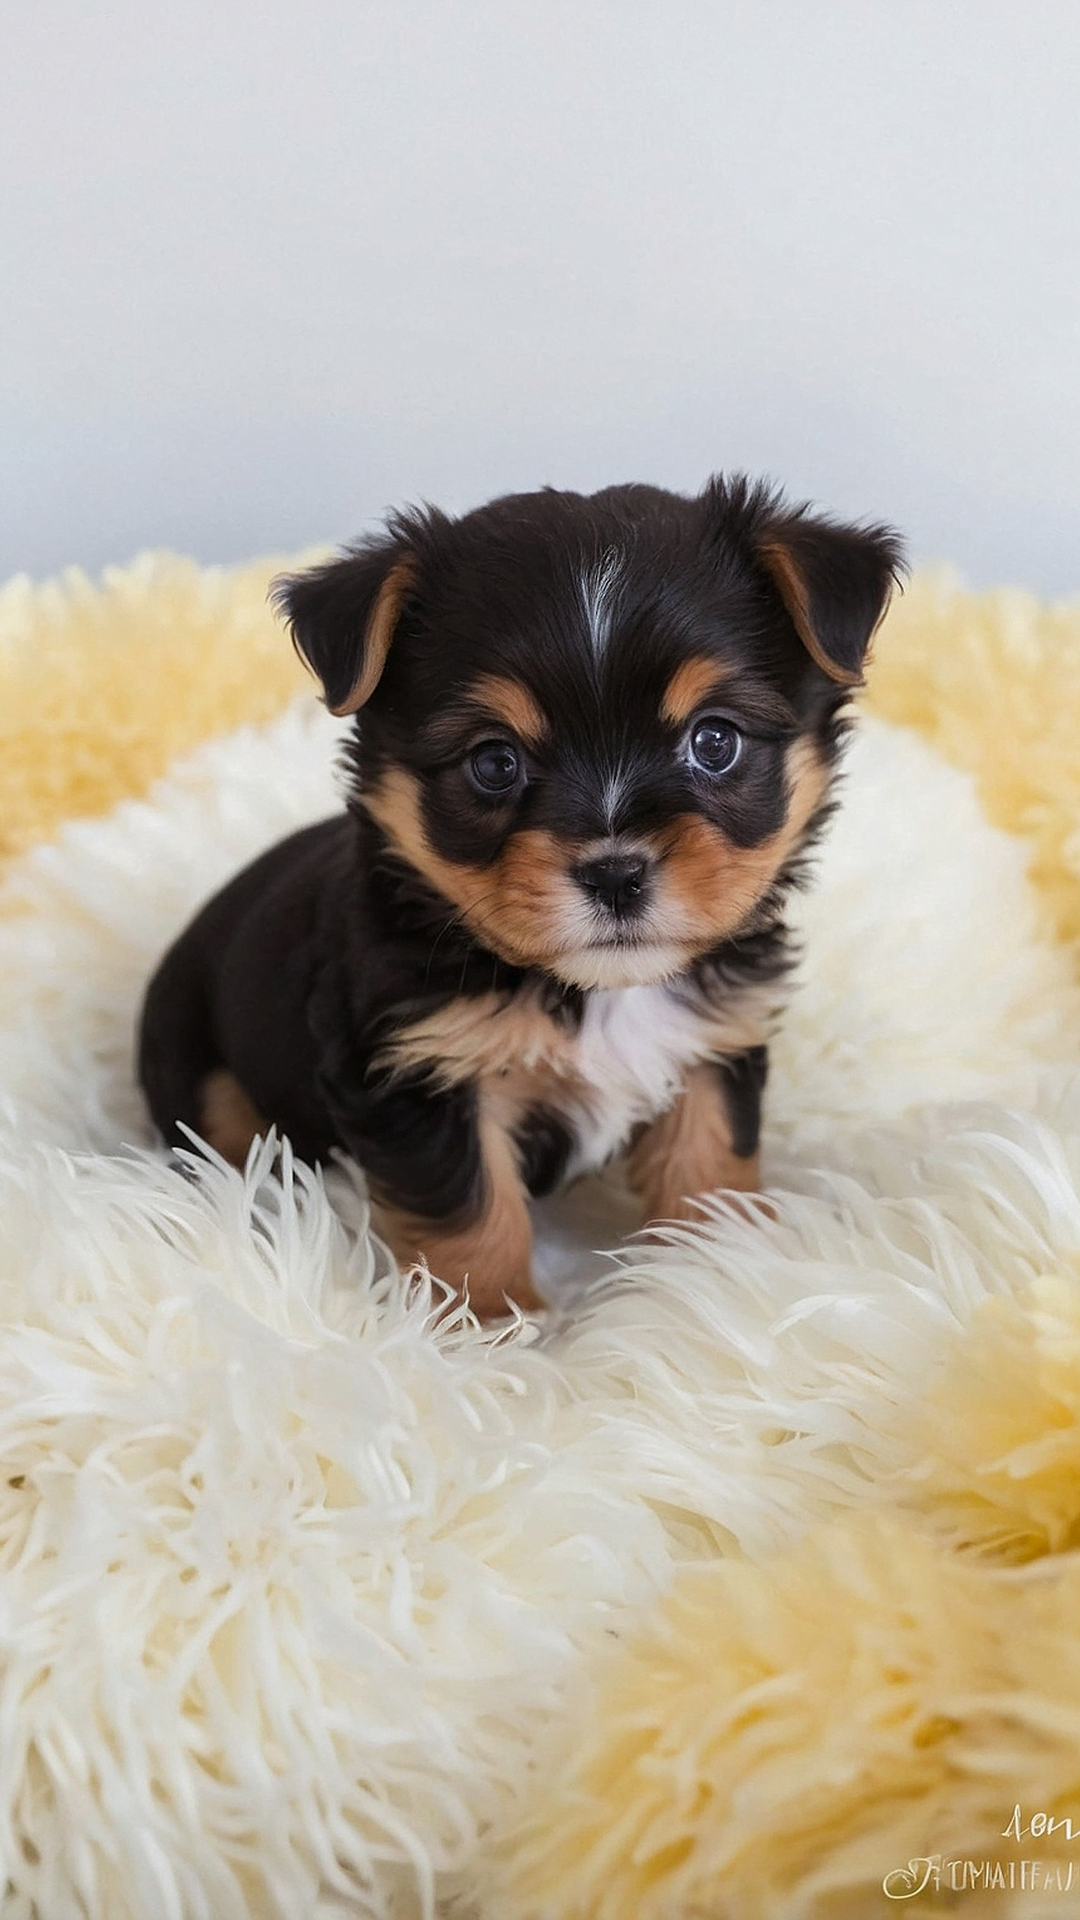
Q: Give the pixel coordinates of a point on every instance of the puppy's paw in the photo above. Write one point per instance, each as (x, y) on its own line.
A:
(489, 1297)
(493, 1272)
(697, 1210)
(228, 1120)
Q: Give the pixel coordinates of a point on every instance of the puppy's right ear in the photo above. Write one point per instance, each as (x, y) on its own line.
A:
(342, 617)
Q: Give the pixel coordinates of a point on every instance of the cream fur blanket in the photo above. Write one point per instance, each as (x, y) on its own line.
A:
(747, 1579)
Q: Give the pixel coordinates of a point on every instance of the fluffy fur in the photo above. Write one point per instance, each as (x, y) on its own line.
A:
(318, 1600)
(874, 1712)
(597, 743)
(993, 679)
(106, 681)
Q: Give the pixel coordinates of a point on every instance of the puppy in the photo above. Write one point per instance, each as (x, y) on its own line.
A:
(596, 738)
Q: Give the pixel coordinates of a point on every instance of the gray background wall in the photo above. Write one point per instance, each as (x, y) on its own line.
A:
(270, 267)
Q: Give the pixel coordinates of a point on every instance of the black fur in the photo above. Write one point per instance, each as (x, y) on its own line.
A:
(742, 1080)
(297, 974)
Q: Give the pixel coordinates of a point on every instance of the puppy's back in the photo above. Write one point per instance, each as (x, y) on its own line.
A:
(232, 992)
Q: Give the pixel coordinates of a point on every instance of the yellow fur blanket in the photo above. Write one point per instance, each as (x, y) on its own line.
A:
(105, 683)
(823, 1661)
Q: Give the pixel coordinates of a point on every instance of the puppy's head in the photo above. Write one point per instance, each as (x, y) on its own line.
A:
(601, 727)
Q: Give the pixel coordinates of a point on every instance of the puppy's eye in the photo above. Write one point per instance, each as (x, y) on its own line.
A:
(494, 766)
(715, 745)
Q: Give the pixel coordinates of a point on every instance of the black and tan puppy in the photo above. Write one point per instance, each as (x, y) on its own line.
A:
(597, 735)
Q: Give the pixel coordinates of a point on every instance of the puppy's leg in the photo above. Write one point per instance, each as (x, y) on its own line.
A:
(708, 1139)
(490, 1248)
(227, 1118)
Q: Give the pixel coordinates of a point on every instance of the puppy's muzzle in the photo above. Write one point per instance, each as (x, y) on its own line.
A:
(618, 882)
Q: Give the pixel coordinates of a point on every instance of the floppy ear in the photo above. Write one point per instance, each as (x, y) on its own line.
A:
(834, 580)
(342, 617)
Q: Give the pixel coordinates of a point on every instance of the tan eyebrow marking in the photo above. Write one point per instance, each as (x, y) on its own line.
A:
(690, 684)
(512, 702)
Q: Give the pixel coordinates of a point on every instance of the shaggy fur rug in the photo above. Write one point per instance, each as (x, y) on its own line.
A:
(745, 1583)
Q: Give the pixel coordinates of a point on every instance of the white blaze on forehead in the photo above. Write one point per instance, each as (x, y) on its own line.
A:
(598, 585)
(614, 791)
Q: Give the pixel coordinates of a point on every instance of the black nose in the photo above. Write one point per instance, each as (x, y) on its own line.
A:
(617, 882)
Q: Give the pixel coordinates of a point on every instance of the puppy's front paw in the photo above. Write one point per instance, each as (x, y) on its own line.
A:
(490, 1292)
(746, 1203)
(696, 1150)
(488, 1266)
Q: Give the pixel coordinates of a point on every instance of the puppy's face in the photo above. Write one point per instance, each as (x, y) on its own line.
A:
(599, 727)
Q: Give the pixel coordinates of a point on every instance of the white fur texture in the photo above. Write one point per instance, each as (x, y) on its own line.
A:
(296, 1569)
(633, 1051)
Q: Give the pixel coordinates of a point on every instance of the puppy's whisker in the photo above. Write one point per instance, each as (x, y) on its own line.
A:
(460, 918)
(453, 920)
(477, 907)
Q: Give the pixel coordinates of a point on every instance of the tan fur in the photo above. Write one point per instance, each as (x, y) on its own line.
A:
(519, 1057)
(716, 884)
(526, 908)
(512, 703)
(514, 906)
(379, 633)
(227, 1118)
(688, 1152)
(742, 1021)
(691, 683)
(492, 1257)
(494, 1254)
(791, 587)
(509, 1042)
(489, 1034)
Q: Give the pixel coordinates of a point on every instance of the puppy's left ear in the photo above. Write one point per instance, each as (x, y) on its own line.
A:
(342, 617)
(835, 581)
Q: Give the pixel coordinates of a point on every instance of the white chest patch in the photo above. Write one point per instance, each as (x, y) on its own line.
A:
(625, 1063)
(631, 1054)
